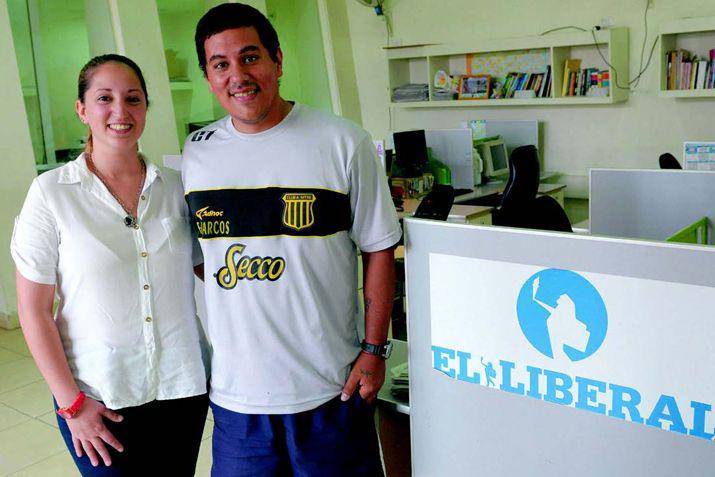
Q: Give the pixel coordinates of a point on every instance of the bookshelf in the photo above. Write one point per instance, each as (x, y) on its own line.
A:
(418, 64)
(696, 35)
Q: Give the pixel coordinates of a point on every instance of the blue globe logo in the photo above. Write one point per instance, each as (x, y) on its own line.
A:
(562, 314)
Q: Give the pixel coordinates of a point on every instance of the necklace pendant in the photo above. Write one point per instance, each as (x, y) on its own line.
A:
(130, 221)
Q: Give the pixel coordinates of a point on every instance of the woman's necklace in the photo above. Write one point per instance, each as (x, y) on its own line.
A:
(130, 220)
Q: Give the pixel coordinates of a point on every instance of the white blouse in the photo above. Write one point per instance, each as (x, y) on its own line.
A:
(126, 313)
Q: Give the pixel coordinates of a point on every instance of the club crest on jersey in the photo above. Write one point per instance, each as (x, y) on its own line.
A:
(298, 210)
(244, 267)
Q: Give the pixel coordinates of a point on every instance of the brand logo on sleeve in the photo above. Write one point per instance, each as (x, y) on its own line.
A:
(202, 135)
(298, 210)
(243, 267)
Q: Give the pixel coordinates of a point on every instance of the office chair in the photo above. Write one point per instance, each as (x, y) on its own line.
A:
(523, 181)
(437, 204)
(520, 207)
(668, 161)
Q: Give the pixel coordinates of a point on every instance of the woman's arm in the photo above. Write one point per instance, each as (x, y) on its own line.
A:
(34, 304)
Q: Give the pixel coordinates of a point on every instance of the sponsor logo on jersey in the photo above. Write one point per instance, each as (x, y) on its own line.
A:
(202, 135)
(298, 210)
(239, 213)
(244, 267)
(207, 212)
(209, 222)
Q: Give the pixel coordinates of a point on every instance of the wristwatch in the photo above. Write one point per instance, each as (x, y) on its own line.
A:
(383, 351)
(70, 411)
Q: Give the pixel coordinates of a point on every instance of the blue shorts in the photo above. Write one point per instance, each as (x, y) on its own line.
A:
(335, 439)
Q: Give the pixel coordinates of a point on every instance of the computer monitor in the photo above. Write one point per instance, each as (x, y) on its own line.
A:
(495, 157)
(411, 152)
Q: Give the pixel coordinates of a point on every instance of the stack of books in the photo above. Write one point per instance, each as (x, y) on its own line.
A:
(539, 83)
(584, 82)
(687, 71)
(411, 92)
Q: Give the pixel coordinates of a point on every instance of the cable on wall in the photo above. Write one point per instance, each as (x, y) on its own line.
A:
(632, 84)
(569, 27)
(642, 69)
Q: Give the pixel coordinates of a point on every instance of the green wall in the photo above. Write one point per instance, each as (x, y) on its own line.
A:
(177, 28)
(305, 78)
(65, 50)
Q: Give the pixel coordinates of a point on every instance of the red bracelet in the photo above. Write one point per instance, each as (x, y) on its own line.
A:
(70, 411)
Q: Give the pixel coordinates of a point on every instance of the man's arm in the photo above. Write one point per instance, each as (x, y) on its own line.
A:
(378, 288)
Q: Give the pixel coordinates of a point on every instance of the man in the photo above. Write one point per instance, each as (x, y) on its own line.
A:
(281, 196)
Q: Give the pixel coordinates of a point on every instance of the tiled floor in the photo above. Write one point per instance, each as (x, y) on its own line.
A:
(30, 444)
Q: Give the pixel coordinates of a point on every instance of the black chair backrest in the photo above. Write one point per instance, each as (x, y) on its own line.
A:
(549, 215)
(542, 213)
(668, 161)
(437, 204)
(523, 182)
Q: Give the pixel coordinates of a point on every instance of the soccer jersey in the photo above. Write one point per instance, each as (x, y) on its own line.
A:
(279, 215)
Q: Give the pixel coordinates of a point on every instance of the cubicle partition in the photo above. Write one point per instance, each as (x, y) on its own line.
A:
(649, 204)
(540, 354)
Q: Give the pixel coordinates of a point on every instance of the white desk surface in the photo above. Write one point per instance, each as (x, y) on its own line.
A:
(498, 187)
(457, 212)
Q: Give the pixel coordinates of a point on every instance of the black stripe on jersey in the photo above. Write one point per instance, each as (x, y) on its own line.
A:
(270, 211)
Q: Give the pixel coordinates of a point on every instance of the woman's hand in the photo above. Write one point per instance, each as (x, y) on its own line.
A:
(90, 433)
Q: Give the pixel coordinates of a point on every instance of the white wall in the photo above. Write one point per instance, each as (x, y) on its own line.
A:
(632, 134)
(18, 164)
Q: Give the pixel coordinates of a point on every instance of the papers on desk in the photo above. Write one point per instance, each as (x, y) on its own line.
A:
(400, 379)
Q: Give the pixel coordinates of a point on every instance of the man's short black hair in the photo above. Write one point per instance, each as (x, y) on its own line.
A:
(228, 16)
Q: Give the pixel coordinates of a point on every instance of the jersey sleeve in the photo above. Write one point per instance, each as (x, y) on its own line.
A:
(374, 221)
(35, 239)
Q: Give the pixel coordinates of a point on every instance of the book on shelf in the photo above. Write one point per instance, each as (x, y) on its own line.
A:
(587, 82)
(686, 71)
(514, 82)
(570, 66)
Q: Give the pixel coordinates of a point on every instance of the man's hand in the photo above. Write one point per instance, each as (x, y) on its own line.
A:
(90, 434)
(369, 373)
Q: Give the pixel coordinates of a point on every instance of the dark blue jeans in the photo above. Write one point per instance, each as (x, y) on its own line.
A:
(159, 438)
(335, 439)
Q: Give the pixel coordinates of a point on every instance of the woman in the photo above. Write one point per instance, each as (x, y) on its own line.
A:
(108, 233)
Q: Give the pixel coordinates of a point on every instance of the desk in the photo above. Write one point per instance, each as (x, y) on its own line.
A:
(554, 190)
(461, 214)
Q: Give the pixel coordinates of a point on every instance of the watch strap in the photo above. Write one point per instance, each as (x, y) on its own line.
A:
(383, 351)
(70, 411)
